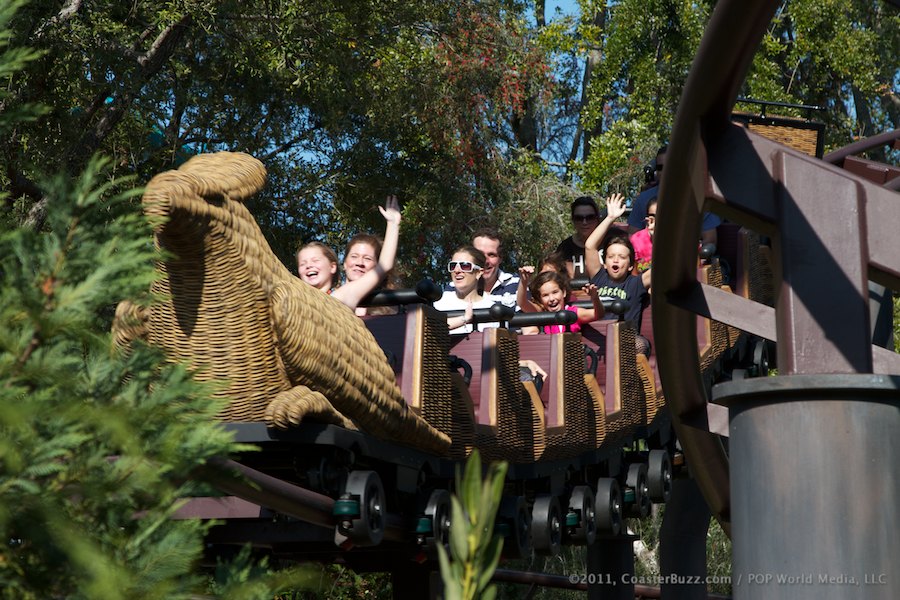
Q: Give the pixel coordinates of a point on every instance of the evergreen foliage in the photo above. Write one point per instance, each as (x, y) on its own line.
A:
(91, 438)
(97, 445)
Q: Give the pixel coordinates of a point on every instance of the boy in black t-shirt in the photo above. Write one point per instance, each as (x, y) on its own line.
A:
(614, 277)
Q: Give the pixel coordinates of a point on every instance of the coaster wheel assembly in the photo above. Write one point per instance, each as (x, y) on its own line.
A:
(659, 476)
(546, 525)
(581, 524)
(608, 506)
(360, 510)
(433, 529)
(637, 495)
(514, 523)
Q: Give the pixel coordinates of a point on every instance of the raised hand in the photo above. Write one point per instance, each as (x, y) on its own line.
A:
(525, 273)
(391, 210)
(615, 205)
(598, 310)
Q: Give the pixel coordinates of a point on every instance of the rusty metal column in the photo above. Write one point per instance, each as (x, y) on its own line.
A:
(815, 486)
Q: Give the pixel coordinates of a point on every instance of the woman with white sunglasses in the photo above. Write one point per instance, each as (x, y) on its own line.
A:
(465, 270)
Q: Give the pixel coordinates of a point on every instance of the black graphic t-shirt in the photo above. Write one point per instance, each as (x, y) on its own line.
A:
(575, 253)
(631, 291)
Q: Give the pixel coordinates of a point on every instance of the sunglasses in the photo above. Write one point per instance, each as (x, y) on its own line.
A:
(584, 218)
(464, 266)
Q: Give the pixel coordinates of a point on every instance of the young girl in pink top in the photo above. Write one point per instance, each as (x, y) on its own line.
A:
(550, 291)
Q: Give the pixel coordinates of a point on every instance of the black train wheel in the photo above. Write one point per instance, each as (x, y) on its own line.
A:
(637, 496)
(515, 523)
(546, 525)
(608, 506)
(659, 475)
(580, 519)
(437, 513)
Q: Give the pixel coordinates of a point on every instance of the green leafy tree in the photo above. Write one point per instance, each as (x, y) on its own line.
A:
(91, 438)
(838, 55)
(841, 56)
(344, 102)
(476, 113)
(97, 446)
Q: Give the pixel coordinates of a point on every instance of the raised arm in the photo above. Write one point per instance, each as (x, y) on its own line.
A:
(522, 300)
(353, 292)
(615, 208)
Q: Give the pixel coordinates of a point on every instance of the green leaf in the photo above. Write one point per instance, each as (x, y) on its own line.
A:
(470, 486)
(459, 531)
(489, 593)
(490, 560)
(492, 493)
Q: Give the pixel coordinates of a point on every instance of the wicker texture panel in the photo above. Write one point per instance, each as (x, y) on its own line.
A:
(719, 337)
(461, 403)
(632, 389)
(630, 384)
(443, 409)
(648, 384)
(804, 140)
(580, 418)
(516, 425)
(597, 407)
(233, 310)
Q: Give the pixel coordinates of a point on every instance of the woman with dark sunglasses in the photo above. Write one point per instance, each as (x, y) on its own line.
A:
(585, 217)
(465, 269)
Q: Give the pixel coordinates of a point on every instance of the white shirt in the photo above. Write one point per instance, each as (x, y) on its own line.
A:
(450, 301)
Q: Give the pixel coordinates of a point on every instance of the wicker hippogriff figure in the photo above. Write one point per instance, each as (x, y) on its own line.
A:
(287, 351)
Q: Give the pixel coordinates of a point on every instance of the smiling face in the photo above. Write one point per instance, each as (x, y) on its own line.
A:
(359, 260)
(464, 282)
(617, 260)
(315, 268)
(491, 249)
(551, 296)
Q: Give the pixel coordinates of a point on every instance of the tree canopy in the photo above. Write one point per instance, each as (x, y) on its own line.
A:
(479, 112)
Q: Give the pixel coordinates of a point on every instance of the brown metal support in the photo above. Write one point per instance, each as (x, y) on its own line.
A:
(883, 139)
(682, 543)
(822, 314)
